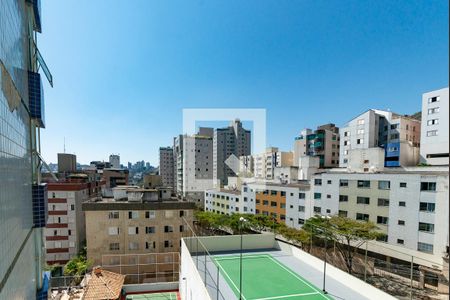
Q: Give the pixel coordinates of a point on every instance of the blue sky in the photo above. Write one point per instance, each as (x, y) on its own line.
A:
(124, 70)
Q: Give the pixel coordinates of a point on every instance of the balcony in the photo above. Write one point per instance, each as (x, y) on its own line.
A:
(36, 98)
(40, 209)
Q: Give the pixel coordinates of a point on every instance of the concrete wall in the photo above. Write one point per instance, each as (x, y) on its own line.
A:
(231, 242)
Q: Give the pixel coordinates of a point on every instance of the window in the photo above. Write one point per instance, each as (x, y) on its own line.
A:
(149, 245)
(384, 185)
(329, 181)
(317, 181)
(181, 228)
(273, 204)
(343, 182)
(383, 202)
(428, 207)
(382, 220)
(433, 110)
(282, 205)
(432, 122)
(360, 122)
(394, 136)
(346, 143)
(401, 222)
(317, 196)
(151, 214)
(133, 230)
(394, 126)
(301, 208)
(363, 200)
(362, 217)
(245, 199)
(402, 203)
(182, 213)
(133, 214)
(359, 141)
(301, 221)
(360, 131)
(72, 206)
(149, 230)
(273, 193)
(424, 247)
(363, 184)
(114, 246)
(113, 215)
(168, 228)
(317, 209)
(257, 201)
(432, 133)
(266, 202)
(346, 133)
(301, 195)
(133, 246)
(427, 227)
(403, 184)
(428, 186)
(400, 241)
(434, 99)
(283, 193)
(343, 213)
(113, 230)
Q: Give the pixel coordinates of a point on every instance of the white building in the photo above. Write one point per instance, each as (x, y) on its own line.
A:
(114, 160)
(434, 140)
(193, 160)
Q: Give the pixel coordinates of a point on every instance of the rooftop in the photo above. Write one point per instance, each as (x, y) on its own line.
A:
(100, 204)
(271, 269)
(103, 285)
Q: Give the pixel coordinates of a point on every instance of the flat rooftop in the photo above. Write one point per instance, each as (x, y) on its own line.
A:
(111, 204)
(270, 270)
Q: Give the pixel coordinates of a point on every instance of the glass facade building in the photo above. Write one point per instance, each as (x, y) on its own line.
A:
(21, 239)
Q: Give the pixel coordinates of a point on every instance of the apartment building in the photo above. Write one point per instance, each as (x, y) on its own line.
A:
(138, 225)
(398, 135)
(22, 196)
(166, 166)
(232, 140)
(323, 143)
(67, 163)
(263, 165)
(65, 230)
(434, 140)
(410, 206)
(114, 161)
(193, 163)
(113, 178)
(227, 201)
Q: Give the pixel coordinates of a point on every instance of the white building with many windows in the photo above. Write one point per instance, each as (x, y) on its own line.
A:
(434, 141)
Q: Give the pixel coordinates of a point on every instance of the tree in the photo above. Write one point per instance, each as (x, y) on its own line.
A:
(77, 266)
(348, 234)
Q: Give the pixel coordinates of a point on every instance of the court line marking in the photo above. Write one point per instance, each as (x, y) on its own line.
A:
(279, 264)
(297, 276)
(287, 296)
(232, 282)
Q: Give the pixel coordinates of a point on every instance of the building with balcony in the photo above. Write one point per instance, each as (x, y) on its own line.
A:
(434, 139)
(322, 143)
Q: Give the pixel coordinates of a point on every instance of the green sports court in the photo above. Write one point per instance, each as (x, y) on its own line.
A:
(265, 278)
(154, 296)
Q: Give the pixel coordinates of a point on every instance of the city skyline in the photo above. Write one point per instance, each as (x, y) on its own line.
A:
(133, 79)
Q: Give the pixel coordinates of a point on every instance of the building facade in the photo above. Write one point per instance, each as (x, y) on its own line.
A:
(194, 165)
(22, 196)
(410, 206)
(114, 161)
(398, 135)
(434, 140)
(323, 143)
(67, 163)
(232, 140)
(166, 166)
(65, 230)
(135, 227)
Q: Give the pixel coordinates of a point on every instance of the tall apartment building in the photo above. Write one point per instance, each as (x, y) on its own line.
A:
(263, 165)
(193, 164)
(434, 140)
(410, 206)
(137, 225)
(114, 160)
(398, 135)
(23, 197)
(166, 166)
(67, 163)
(232, 140)
(65, 230)
(323, 143)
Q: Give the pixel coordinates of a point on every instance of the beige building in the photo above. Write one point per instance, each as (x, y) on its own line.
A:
(67, 162)
(135, 226)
